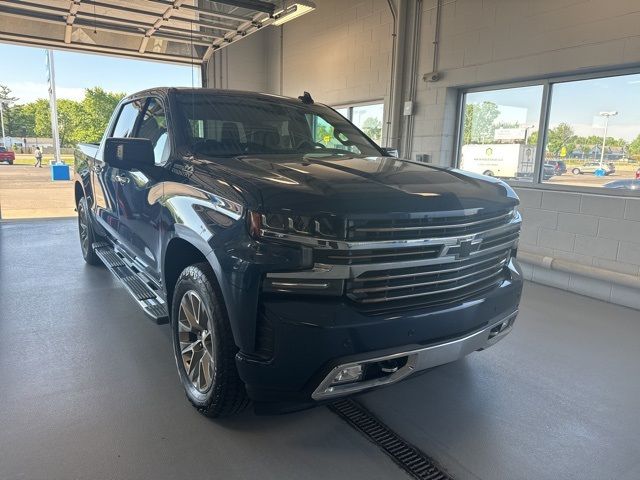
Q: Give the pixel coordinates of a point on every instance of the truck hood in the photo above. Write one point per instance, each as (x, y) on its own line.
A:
(352, 185)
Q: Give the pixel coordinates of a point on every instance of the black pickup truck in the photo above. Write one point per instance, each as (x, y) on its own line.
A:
(295, 260)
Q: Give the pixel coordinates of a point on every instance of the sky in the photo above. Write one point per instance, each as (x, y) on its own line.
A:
(577, 103)
(23, 72)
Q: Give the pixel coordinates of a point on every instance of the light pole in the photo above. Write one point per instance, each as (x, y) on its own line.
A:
(2, 121)
(606, 116)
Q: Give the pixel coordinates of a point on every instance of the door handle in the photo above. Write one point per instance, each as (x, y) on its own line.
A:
(122, 180)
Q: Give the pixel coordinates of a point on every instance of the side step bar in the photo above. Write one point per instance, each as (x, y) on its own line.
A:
(144, 295)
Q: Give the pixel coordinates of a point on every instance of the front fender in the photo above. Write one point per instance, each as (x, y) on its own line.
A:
(207, 222)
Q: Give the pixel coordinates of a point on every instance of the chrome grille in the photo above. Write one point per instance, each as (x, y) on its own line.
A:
(428, 264)
(427, 226)
(431, 283)
(359, 257)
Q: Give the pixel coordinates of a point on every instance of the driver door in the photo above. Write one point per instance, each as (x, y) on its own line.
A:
(139, 220)
(106, 179)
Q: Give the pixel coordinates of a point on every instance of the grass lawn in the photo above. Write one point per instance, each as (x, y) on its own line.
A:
(28, 159)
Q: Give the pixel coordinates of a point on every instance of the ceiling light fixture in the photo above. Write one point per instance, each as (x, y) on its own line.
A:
(293, 10)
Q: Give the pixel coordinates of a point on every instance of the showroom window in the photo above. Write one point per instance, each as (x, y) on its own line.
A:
(368, 118)
(589, 138)
(500, 131)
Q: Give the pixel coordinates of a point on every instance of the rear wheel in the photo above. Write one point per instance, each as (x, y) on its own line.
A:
(488, 173)
(87, 236)
(576, 171)
(203, 345)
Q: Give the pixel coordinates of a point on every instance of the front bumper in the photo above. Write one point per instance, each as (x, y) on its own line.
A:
(315, 337)
(416, 359)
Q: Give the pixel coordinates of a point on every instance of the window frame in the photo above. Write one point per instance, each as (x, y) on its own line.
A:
(547, 83)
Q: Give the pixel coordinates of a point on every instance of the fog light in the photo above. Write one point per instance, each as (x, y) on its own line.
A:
(348, 375)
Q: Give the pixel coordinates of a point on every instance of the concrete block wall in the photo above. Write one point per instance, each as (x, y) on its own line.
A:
(591, 230)
(341, 52)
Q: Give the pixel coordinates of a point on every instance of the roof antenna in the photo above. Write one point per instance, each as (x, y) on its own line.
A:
(306, 98)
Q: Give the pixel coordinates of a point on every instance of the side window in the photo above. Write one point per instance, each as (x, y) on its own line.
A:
(126, 124)
(154, 127)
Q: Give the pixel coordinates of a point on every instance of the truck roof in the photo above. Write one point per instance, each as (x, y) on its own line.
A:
(215, 91)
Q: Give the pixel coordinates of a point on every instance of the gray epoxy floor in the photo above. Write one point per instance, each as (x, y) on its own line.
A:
(88, 390)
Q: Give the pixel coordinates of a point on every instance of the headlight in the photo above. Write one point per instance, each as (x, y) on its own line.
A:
(320, 226)
(514, 213)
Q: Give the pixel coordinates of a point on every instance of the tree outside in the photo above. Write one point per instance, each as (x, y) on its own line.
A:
(479, 122)
(372, 127)
(78, 121)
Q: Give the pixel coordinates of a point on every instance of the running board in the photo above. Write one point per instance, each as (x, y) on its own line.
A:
(144, 295)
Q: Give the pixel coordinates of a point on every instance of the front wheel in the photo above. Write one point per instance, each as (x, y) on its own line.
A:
(87, 236)
(203, 345)
(576, 171)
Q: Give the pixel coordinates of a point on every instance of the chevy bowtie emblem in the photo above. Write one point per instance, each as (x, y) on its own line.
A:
(464, 248)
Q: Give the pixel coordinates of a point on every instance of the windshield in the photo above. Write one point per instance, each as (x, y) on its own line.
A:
(231, 125)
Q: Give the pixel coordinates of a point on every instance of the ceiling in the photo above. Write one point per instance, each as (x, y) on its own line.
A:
(178, 31)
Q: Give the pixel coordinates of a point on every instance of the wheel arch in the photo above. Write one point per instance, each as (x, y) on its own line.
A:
(78, 192)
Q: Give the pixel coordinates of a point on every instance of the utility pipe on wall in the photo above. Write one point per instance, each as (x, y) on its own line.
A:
(589, 271)
(413, 75)
(398, 14)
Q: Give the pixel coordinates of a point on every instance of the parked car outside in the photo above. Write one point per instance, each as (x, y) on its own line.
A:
(548, 171)
(591, 167)
(559, 166)
(627, 184)
(638, 174)
(7, 156)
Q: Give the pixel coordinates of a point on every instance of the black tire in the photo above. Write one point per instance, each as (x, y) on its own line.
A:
(85, 226)
(576, 171)
(226, 395)
(488, 173)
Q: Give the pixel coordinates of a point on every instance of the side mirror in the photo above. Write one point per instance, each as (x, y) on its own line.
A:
(391, 152)
(129, 153)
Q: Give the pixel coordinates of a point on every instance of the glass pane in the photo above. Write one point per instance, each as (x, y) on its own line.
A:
(500, 132)
(127, 119)
(344, 112)
(225, 126)
(324, 134)
(593, 138)
(369, 118)
(154, 127)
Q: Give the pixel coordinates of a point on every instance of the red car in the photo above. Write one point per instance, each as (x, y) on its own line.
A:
(7, 156)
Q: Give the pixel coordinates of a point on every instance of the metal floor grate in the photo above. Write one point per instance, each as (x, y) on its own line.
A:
(406, 456)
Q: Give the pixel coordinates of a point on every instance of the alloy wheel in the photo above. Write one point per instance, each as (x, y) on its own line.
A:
(196, 341)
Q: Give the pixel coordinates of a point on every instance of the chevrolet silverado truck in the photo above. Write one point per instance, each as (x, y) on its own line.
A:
(295, 260)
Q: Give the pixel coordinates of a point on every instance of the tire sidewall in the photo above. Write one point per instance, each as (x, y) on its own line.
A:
(82, 205)
(187, 282)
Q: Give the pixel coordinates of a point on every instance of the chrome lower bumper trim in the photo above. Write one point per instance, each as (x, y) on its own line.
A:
(418, 359)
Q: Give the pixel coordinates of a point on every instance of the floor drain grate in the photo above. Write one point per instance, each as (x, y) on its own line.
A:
(405, 455)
